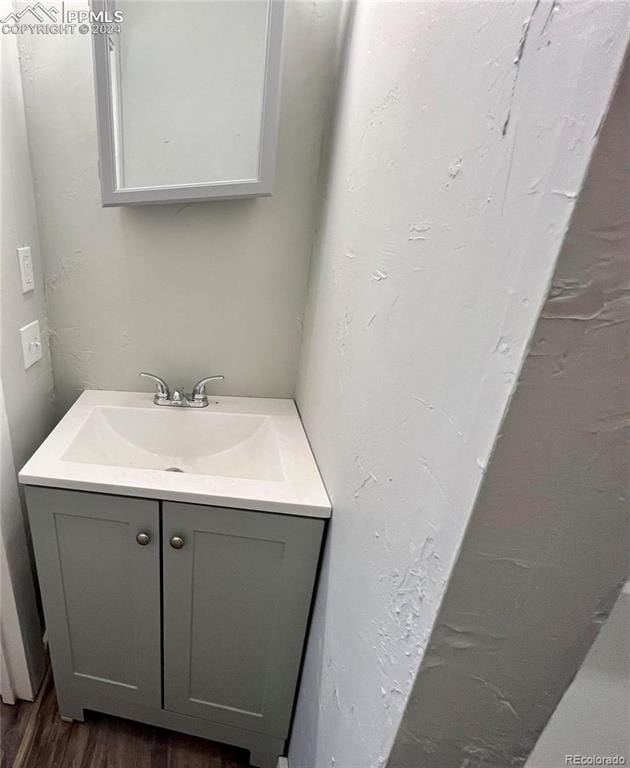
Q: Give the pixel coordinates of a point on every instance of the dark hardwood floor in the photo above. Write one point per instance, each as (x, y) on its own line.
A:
(32, 735)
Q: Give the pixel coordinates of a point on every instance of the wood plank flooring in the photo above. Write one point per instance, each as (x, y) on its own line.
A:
(32, 735)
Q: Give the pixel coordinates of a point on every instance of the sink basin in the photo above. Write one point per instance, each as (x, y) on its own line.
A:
(202, 442)
(250, 453)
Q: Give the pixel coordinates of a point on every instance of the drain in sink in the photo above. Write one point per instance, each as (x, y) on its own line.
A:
(173, 469)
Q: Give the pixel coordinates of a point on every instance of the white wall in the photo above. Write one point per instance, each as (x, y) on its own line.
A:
(182, 291)
(546, 549)
(28, 395)
(463, 135)
(21, 647)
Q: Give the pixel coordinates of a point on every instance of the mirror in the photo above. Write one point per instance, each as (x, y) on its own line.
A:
(187, 99)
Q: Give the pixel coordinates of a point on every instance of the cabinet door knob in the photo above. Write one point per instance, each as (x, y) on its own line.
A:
(176, 542)
(143, 539)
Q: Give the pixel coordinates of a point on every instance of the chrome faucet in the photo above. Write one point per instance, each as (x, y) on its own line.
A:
(178, 398)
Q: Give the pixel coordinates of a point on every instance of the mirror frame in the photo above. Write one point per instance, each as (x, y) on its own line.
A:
(182, 193)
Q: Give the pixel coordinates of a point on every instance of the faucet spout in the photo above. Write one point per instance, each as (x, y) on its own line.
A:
(179, 398)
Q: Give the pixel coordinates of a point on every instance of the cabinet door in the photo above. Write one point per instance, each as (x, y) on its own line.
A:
(101, 593)
(237, 596)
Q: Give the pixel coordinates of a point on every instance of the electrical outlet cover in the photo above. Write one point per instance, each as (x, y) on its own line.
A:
(31, 343)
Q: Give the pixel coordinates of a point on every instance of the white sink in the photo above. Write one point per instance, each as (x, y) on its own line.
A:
(246, 452)
(203, 442)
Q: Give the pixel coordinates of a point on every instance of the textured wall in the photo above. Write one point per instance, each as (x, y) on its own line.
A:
(28, 395)
(582, 723)
(547, 548)
(179, 290)
(463, 135)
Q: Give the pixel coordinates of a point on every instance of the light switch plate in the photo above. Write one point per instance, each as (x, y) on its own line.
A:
(25, 260)
(31, 343)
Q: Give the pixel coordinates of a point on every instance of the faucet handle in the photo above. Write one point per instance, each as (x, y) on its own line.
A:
(199, 390)
(162, 392)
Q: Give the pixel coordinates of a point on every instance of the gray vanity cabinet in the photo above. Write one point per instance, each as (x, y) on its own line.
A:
(101, 595)
(180, 615)
(235, 613)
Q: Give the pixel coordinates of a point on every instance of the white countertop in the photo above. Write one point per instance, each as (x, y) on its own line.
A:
(96, 429)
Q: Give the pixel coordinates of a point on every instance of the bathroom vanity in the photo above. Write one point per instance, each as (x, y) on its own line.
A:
(177, 553)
